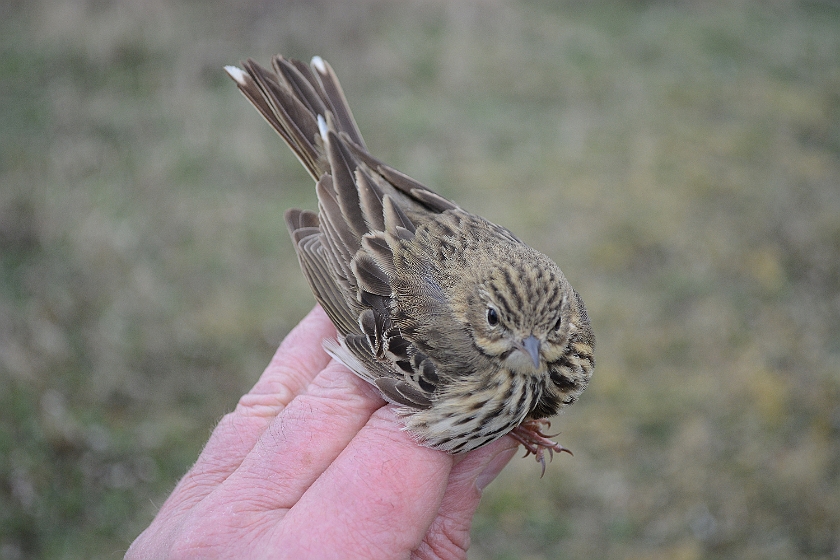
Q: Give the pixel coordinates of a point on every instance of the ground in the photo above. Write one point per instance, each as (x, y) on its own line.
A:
(679, 160)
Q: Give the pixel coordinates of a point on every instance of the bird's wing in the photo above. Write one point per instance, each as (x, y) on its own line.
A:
(346, 251)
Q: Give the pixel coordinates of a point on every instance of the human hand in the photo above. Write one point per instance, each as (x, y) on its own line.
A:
(310, 464)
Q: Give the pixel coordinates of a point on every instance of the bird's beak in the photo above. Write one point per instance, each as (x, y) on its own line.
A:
(532, 346)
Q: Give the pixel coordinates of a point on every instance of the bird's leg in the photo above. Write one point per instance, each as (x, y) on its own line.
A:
(529, 434)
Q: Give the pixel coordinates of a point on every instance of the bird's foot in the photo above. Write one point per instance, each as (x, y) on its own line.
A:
(530, 434)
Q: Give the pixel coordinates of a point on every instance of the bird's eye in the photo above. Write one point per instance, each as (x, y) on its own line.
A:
(492, 317)
(559, 323)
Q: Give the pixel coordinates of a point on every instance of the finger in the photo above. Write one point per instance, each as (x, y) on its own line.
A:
(298, 359)
(298, 446)
(296, 362)
(376, 500)
(449, 534)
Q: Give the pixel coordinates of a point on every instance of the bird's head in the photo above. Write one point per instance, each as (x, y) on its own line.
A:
(522, 313)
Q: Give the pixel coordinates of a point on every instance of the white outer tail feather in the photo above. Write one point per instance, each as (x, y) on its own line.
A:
(237, 74)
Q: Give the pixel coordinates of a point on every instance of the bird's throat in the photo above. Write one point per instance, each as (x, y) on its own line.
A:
(520, 362)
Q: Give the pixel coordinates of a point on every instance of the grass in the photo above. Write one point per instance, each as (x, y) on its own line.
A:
(681, 162)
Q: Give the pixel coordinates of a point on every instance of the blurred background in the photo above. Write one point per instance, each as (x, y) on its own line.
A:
(679, 160)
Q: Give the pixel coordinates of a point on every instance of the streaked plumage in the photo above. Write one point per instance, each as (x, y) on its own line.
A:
(471, 332)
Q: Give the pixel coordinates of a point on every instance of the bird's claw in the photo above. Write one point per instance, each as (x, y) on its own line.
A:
(530, 435)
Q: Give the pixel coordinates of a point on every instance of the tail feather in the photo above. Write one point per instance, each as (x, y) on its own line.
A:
(365, 210)
(338, 103)
(291, 98)
(302, 83)
(279, 105)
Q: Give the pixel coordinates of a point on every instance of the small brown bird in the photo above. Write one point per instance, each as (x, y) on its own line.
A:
(469, 331)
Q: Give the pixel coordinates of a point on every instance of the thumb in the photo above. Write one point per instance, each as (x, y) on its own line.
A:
(449, 534)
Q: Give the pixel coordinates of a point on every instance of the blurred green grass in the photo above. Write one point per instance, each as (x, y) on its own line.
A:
(681, 161)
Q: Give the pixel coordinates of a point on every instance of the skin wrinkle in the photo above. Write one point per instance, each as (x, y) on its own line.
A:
(362, 471)
(380, 437)
(385, 424)
(445, 544)
(210, 469)
(290, 371)
(331, 397)
(332, 406)
(449, 535)
(227, 447)
(267, 404)
(277, 493)
(208, 537)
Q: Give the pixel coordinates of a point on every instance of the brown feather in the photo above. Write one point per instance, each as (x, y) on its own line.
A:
(410, 280)
(340, 108)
